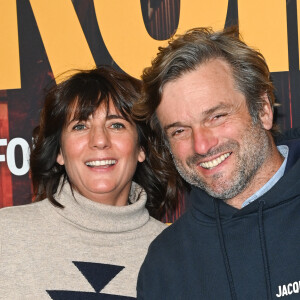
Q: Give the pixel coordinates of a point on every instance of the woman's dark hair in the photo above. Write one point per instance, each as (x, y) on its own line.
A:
(79, 96)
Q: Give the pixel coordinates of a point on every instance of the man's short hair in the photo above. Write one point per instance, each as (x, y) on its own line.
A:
(186, 52)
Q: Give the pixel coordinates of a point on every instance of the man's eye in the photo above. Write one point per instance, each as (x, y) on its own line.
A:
(79, 127)
(177, 132)
(218, 117)
(117, 126)
(180, 133)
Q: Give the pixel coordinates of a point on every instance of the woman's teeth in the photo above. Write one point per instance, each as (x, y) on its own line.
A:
(97, 163)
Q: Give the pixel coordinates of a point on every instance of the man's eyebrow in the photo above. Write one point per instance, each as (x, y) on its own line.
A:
(205, 113)
(216, 108)
(175, 124)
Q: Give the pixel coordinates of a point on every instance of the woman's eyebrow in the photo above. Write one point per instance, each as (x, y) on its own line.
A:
(111, 117)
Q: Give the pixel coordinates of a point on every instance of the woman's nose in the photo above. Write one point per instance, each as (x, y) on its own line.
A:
(99, 138)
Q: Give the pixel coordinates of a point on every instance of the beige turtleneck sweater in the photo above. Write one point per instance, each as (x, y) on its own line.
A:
(84, 249)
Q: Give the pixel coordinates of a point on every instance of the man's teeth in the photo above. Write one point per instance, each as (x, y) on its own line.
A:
(97, 163)
(213, 163)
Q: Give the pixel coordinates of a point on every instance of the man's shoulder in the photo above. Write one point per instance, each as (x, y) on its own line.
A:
(288, 135)
(171, 237)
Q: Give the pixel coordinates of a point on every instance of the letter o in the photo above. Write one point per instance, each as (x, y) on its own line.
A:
(10, 154)
(296, 287)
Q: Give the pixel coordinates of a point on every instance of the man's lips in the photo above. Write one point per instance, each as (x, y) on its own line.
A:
(102, 162)
(215, 162)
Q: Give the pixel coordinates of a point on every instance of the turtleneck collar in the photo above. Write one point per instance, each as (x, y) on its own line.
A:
(94, 216)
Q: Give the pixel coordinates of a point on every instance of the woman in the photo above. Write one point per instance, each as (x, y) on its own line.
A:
(91, 231)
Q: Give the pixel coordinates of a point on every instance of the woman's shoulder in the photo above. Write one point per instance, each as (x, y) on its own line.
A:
(155, 226)
(20, 215)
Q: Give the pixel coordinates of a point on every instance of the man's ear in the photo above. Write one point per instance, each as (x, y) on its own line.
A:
(266, 115)
(60, 158)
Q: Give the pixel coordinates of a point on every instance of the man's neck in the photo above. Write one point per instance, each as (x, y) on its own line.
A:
(263, 175)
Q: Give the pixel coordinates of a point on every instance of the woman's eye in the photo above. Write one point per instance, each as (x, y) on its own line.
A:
(79, 127)
(117, 126)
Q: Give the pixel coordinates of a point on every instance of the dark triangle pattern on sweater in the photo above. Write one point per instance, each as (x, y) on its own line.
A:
(98, 275)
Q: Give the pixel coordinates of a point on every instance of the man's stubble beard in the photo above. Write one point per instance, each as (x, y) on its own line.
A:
(257, 148)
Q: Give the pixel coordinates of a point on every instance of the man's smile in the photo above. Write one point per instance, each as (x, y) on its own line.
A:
(215, 162)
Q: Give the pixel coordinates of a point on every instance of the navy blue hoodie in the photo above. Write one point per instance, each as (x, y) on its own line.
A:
(215, 251)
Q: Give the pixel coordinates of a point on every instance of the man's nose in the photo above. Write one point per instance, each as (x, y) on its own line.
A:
(99, 138)
(204, 139)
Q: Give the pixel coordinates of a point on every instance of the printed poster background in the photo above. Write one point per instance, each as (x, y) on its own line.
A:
(39, 40)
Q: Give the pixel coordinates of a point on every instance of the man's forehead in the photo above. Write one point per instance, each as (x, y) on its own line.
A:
(213, 72)
(209, 87)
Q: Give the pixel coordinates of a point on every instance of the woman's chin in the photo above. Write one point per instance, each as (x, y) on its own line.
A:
(108, 193)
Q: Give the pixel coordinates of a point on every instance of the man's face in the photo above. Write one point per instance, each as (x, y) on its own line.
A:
(213, 140)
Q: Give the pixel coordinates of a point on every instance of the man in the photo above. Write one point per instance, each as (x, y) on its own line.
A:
(211, 97)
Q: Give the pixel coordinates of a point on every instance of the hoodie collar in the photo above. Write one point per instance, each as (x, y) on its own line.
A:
(204, 203)
(284, 190)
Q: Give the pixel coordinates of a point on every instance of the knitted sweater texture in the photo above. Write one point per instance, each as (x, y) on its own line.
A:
(86, 250)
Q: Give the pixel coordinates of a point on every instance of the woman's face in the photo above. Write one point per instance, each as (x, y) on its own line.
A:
(100, 155)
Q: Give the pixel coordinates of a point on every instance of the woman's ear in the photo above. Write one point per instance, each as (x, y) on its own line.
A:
(60, 158)
(266, 115)
(142, 155)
